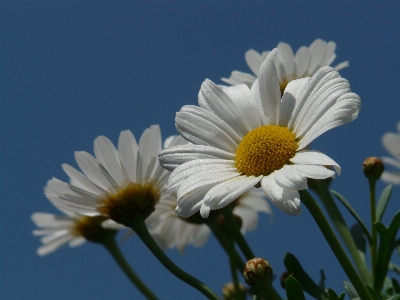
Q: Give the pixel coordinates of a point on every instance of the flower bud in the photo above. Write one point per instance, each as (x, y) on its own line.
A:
(229, 292)
(257, 270)
(373, 168)
(284, 276)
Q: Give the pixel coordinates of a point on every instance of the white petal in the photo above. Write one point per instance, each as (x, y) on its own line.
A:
(172, 157)
(149, 147)
(77, 242)
(285, 199)
(329, 54)
(312, 157)
(46, 220)
(253, 60)
(191, 202)
(318, 51)
(128, 152)
(54, 244)
(314, 171)
(255, 90)
(289, 177)
(269, 89)
(240, 77)
(391, 177)
(107, 155)
(248, 216)
(226, 192)
(302, 59)
(79, 180)
(391, 161)
(255, 199)
(174, 140)
(286, 57)
(391, 142)
(342, 65)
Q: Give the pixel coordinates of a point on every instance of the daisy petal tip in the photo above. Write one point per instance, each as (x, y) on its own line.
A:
(205, 211)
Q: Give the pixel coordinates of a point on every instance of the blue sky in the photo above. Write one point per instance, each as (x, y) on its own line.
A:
(71, 71)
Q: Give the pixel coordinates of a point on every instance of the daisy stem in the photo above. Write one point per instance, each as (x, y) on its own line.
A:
(374, 242)
(111, 245)
(140, 229)
(234, 275)
(227, 243)
(344, 232)
(237, 235)
(334, 243)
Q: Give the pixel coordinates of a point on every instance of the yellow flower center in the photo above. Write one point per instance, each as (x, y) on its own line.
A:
(265, 149)
(90, 228)
(129, 200)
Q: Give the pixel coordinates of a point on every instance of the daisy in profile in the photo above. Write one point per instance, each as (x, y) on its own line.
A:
(170, 230)
(391, 142)
(71, 229)
(289, 66)
(241, 138)
(116, 183)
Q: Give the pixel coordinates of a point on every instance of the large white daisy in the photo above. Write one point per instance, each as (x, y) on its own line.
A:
(170, 230)
(58, 230)
(289, 66)
(116, 183)
(243, 138)
(391, 141)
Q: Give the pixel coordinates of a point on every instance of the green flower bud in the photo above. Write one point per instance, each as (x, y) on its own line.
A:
(373, 168)
(256, 271)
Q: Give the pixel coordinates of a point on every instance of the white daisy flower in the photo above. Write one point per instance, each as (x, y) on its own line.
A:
(289, 66)
(391, 142)
(170, 230)
(243, 138)
(115, 183)
(60, 230)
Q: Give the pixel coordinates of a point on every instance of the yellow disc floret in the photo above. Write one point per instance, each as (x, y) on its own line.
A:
(265, 149)
(90, 228)
(134, 198)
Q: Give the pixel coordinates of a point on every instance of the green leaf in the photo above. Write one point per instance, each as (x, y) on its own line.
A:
(333, 296)
(394, 267)
(383, 202)
(387, 244)
(294, 290)
(358, 235)
(309, 286)
(353, 213)
(372, 293)
(395, 297)
(351, 291)
(396, 285)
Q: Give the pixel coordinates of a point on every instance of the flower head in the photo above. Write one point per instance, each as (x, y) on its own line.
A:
(391, 142)
(243, 138)
(305, 63)
(116, 183)
(170, 230)
(70, 228)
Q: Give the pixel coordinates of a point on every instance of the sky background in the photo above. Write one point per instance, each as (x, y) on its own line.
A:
(71, 71)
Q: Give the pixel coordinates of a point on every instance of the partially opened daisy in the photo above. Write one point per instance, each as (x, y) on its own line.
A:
(116, 183)
(170, 230)
(243, 138)
(289, 66)
(391, 141)
(71, 229)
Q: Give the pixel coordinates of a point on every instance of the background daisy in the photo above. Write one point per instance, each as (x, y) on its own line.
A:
(391, 142)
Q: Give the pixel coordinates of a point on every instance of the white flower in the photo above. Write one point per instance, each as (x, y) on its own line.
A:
(244, 138)
(289, 66)
(60, 230)
(114, 183)
(391, 141)
(170, 230)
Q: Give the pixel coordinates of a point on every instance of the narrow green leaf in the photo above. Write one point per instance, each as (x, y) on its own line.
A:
(353, 213)
(358, 235)
(387, 245)
(396, 285)
(322, 281)
(383, 202)
(350, 290)
(294, 290)
(394, 267)
(372, 293)
(333, 296)
(309, 286)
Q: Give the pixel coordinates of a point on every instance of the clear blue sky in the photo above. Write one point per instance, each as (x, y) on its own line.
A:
(71, 71)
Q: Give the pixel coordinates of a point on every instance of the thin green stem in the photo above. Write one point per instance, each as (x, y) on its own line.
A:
(236, 234)
(140, 229)
(234, 275)
(374, 236)
(111, 245)
(344, 232)
(226, 242)
(333, 242)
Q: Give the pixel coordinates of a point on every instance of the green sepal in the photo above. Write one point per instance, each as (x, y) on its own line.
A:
(309, 286)
(352, 211)
(383, 202)
(333, 296)
(387, 245)
(294, 290)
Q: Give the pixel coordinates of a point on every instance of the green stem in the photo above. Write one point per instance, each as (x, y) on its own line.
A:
(112, 247)
(333, 242)
(236, 234)
(234, 276)
(140, 229)
(374, 240)
(343, 230)
(225, 242)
